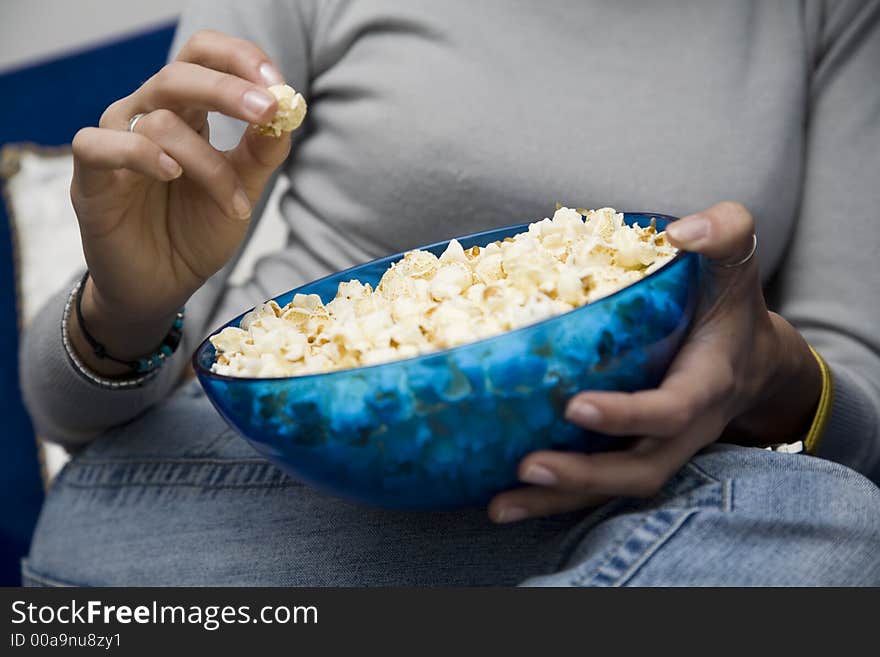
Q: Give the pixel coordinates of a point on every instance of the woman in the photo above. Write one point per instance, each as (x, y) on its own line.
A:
(429, 120)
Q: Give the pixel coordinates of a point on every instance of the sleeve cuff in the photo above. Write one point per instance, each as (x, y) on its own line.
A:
(846, 428)
(65, 407)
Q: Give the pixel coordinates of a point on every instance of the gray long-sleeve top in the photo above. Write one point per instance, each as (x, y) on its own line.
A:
(432, 119)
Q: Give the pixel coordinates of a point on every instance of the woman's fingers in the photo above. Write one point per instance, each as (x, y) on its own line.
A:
(700, 382)
(723, 233)
(213, 72)
(255, 158)
(191, 91)
(658, 412)
(228, 54)
(567, 481)
(537, 501)
(200, 161)
(98, 153)
(636, 472)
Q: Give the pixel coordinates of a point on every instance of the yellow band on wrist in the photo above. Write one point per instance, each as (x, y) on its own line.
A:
(823, 411)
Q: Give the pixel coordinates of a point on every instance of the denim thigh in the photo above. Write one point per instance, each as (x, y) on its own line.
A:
(734, 516)
(175, 497)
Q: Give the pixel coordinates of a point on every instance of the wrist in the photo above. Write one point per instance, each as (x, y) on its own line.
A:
(141, 317)
(790, 385)
(123, 336)
(797, 381)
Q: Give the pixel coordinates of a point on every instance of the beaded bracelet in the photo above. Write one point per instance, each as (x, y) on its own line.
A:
(143, 368)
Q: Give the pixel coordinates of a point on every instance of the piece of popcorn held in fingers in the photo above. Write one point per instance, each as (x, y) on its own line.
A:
(290, 113)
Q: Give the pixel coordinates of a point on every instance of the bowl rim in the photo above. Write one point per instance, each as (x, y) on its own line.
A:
(203, 372)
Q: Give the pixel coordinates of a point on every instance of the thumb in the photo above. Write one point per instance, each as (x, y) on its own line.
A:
(724, 234)
(256, 157)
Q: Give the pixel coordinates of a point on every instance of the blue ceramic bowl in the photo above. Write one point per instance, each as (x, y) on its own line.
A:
(447, 429)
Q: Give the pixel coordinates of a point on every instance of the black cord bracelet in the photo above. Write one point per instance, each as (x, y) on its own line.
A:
(142, 365)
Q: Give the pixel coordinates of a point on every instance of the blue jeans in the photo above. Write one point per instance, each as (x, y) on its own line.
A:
(176, 498)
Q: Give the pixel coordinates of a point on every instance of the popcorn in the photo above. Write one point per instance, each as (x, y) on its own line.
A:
(229, 340)
(451, 280)
(290, 113)
(424, 303)
(488, 269)
(418, 264)
(453, 253)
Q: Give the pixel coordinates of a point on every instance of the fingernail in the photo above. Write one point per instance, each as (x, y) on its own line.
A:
(270, 74)
(241, 204)
(583, 412)
(511, 514)
(257, 102)
(539, 475)
(689, 229)
(169, 167)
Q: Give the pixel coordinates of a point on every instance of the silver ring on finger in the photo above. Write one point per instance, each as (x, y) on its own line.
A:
(132, 122)
(748, 257)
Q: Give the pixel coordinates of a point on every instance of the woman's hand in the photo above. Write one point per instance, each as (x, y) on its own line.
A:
(743, 372)
(159, 209)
